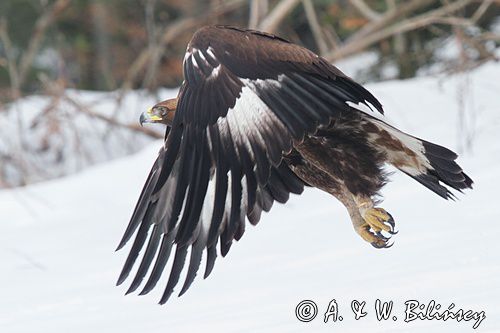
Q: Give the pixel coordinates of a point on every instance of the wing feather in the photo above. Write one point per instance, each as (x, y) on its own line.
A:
(161, 262)
(239, 111)
(194, 263)
(211, 256)
(175, 273)
(152, 247)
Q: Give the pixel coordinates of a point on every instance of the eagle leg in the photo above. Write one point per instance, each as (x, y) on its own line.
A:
(373, 221)
(316, 170)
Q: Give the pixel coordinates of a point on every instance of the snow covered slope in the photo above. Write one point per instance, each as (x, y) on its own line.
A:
(59, 267)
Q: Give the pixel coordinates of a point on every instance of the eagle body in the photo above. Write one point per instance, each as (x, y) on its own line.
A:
(258, 118)
(344, 156)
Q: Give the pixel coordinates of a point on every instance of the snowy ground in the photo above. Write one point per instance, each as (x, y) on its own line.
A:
(53, 138)
(59, 267)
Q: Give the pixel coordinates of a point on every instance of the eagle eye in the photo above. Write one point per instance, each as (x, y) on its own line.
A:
(161, 110)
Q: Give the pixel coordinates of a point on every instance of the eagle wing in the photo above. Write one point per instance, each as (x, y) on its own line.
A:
(246, 98)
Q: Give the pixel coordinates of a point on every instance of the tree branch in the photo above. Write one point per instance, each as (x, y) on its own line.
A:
(389, 17)
(258, 8)
(312, 19)
(11, 59)
(41, 25)
(137, 128)
(169, 33)
(271, 22)
(365, 10)
(481, 11)
(434, 16)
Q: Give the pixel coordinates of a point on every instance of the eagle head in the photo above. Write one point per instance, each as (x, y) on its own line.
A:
(162, 112)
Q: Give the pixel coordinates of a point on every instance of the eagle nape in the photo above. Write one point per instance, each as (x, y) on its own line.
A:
(258, 118)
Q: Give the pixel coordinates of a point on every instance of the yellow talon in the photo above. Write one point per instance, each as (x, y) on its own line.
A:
(380, 212)
(376, 240)
(377, 219)
(373, 221)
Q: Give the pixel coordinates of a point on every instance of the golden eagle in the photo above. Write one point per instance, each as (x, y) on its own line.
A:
(258, 118)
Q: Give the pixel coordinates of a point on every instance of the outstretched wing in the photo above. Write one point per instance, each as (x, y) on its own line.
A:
(246, 98)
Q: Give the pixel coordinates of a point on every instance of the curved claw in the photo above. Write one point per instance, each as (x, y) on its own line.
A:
(377, 220)
(391, 219)
(381, 236)
(379, 246)
(384, 245)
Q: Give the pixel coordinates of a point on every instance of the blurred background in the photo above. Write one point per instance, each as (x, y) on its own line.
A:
(75, 74)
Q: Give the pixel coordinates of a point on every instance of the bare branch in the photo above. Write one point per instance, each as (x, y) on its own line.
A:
(489, 36)
(365, 10)
(312, 19)
(332, 36)
(434, 16)
(277, 15)
(82, 108)
(391, 16)
(41, 25)
(11, 59)
(151, 29)
(481, 11)
(170, 33)
(258, 8)
(102, 65)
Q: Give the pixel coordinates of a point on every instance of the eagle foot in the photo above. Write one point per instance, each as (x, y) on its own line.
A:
(377, 220)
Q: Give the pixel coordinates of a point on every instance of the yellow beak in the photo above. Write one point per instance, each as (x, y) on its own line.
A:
(150, 117)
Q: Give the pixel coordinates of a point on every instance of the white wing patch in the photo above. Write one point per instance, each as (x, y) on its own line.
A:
(210, 52)
(207, 63)
(195, 63)
(208, 207)
(249, 116)
(186, 56)
(214, 74)
(266, 83)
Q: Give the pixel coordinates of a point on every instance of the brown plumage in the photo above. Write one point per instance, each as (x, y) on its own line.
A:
(258, 118)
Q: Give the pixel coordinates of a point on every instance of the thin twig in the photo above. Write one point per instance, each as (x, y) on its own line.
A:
(41, 25)
(271, 22)
(431, 17)
(481, 11)
(154, 63)
(332, 36)
(80, 107)
(365, 10)
(312, 19)
(11, 59)
(258, 8)
(389, 17)
(170, 33)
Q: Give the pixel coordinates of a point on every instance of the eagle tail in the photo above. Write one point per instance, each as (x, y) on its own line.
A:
(430, 164)
(443, 169)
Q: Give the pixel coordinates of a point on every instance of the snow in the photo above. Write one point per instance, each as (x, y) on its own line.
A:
(44, 138)
(59, 267)
(358, 65)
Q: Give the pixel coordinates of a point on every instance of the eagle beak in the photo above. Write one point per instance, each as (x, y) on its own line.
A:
(150, 116)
